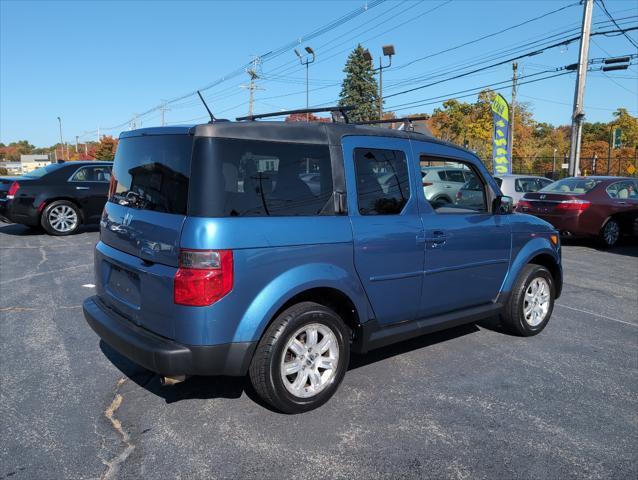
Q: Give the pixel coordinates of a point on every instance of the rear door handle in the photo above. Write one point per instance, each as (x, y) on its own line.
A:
(81, 188)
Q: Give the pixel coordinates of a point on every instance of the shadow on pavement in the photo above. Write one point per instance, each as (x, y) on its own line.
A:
(233, 387)
(19, 230)
(626, 246)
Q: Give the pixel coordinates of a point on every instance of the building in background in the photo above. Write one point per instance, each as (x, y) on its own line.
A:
(11, 168)
(31, 162)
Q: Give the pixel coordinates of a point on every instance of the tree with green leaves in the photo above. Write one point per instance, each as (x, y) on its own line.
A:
(360, 88)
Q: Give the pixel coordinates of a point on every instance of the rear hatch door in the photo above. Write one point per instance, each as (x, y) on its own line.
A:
(141, 227)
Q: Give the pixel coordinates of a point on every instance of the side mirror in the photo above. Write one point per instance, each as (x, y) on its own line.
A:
(502, 205)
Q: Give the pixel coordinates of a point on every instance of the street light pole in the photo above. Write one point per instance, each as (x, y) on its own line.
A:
(554, 166)
(307, 63)
(388, 51)
(61, 144)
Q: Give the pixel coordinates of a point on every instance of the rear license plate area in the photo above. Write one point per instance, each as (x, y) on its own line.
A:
(124, 285)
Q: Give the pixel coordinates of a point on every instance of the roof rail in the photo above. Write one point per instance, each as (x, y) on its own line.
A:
(406, 120)
(336, 108)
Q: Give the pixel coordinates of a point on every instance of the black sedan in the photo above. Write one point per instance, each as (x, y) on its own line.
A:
(59, 197)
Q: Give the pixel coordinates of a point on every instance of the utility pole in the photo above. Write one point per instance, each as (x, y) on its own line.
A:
(513, 109)
(98, 134)
(163, 109)
(252, 73)
(307, 63)
(579, 95)
(61, 142)
(77, 149)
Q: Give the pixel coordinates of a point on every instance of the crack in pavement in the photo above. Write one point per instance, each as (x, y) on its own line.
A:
(44, 257)
(113, 465)
(46, 273)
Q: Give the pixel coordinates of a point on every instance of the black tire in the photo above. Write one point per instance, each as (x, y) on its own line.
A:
(47, 220)
(513, 316)
(610, 233)
(265, 369)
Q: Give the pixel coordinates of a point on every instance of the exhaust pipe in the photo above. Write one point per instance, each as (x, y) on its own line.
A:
(171, 381)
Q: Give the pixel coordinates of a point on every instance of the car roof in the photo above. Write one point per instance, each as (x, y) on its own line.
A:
(516, 175)
(294, 132)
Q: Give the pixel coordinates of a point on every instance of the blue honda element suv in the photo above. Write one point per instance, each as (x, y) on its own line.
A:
(274, 249)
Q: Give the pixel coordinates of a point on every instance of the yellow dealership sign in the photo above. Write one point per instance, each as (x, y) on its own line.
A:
(501, 151)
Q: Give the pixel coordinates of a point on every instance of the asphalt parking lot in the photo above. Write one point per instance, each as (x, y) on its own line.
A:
(467, 403)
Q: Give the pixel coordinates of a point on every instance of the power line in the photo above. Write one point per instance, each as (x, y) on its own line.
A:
(601, 3)
(489, 35)
(503, 62)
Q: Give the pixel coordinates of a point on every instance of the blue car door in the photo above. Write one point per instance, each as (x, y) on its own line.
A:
(467, 247)
(386, 225)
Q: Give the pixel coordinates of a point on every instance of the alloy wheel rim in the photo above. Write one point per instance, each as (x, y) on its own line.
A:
(63, 218)
(611, 233)
(310, 360)
(536, 302)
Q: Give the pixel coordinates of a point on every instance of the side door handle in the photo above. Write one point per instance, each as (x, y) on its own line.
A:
(437, 239)
(81, 188)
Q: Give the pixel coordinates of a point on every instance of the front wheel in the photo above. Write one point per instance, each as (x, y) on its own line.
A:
(531, 302)
(301, 359)
(61, 218)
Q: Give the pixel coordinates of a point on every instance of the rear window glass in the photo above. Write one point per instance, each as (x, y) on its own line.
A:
(42, 171)
(572, 186)
(252, 178)
(152, 172)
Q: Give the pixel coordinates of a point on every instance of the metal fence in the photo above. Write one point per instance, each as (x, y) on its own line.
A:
(551, 167)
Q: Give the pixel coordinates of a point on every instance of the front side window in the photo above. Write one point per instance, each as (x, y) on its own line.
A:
(464, 192)
(383, 186)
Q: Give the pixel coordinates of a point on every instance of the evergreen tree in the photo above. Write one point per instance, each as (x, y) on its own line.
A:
(360, 88)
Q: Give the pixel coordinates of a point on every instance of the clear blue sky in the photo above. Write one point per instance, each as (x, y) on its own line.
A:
(96, 64)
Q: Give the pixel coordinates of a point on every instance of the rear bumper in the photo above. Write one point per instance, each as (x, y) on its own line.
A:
(162, 355)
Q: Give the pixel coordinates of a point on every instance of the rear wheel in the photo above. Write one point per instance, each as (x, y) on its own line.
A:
(610, 234)
(61, 218)
(301, 359)
(531, 303)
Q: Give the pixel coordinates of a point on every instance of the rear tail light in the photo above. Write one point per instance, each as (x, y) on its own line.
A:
(523, 205)
(112, 185)
(459, 195)
(203, 277)
(13, 189)
(573, 205)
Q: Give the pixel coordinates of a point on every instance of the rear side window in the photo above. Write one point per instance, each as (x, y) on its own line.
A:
(383, 186)
(252, 178)
(152, 172)
(455, 176)
(572, 186)
(623, 190)
(92, 174)
(527, 185)
(499, 181)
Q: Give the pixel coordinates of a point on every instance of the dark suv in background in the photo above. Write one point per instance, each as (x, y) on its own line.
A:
(59, 197)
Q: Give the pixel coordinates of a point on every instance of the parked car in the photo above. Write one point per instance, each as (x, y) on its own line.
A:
(59, 197)
(516, 186)
(471, 194)
(203, 268)
(603, 207)
(441, 183)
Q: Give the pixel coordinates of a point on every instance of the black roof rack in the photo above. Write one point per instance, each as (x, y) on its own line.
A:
(336, 108)
(407, 120)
